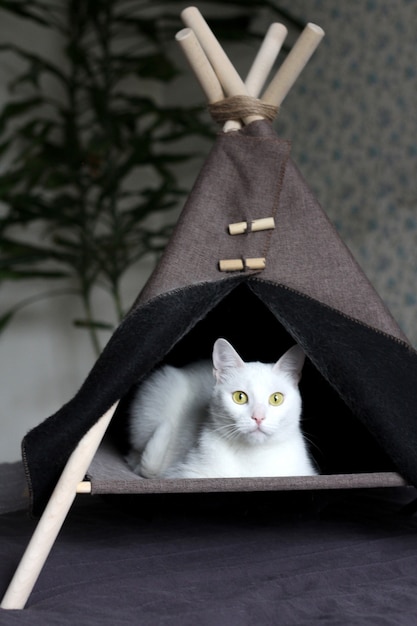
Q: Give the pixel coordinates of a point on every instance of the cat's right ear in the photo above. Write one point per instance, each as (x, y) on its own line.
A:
(225, 358)
(292, 363)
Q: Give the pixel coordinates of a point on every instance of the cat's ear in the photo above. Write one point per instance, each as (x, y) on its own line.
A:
(291, 363)
(225, 358)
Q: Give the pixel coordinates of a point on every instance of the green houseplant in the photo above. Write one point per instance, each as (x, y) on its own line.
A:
(90, 152)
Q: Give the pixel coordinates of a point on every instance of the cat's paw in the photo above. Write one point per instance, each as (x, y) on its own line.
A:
(133, 459)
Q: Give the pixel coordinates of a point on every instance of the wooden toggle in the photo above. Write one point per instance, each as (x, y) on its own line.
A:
(264, 223)
(236, 265)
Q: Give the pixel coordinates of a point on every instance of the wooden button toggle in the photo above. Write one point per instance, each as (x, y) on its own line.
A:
(264, 223)
(236, 265)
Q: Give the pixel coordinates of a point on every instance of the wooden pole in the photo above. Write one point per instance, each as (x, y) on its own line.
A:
(262, 65)
(265, 59)
(293, 65)
(54, 515)
(200, 65)
(230, 80)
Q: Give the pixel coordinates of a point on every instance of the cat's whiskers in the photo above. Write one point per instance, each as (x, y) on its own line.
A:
(311, 443)
(228, 431)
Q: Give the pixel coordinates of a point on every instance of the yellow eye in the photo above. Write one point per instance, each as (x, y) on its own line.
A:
(240, 397)
(276, 398)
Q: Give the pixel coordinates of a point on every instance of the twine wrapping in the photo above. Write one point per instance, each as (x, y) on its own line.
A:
(239, 107)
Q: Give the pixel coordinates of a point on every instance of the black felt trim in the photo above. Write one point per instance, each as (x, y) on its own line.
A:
(375, 374)
(146, 335)
(359, 385)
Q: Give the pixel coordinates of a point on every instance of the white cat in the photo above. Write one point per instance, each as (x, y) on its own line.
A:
(243, 421)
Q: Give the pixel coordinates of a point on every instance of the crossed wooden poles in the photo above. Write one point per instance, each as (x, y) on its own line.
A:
(218, 79)
(217, 76)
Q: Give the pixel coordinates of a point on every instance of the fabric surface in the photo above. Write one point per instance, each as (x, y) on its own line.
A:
(339, 558)
(13, 489)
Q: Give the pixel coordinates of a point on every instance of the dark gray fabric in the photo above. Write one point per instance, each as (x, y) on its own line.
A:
(13, 488)
(338, 558)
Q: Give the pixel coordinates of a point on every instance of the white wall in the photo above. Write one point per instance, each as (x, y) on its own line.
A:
(43, 357)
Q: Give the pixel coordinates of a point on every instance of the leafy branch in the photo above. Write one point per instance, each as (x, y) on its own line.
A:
(88, 163)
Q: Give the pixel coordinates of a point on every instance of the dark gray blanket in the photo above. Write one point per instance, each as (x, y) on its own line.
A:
(337, 558)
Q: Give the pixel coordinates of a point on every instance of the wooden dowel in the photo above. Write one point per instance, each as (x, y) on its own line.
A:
(236, 265)
(84, 487)
(255, 263)
(265, 59)
(54, 515)
(262, 65)
(293, 65)
(264, 223)
(238, 228)
(200, 65)
(231, 265)
(230, 80)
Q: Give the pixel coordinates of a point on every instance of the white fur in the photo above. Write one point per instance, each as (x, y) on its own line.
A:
(185, 423)
(166, 415)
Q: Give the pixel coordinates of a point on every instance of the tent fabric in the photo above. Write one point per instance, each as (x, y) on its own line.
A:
(248, 175)
(311, 291)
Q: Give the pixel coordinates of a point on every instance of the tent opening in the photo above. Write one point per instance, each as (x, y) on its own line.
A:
(338, 441)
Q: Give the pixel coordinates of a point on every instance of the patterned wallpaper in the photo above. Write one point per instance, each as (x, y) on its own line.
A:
(352, 117)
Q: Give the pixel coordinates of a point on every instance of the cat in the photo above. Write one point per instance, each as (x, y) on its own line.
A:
(225, 418)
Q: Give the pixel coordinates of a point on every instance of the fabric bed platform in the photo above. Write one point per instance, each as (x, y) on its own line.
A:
(109, 474)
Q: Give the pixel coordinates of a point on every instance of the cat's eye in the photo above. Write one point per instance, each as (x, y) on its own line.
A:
(276, 398)
(240, 397)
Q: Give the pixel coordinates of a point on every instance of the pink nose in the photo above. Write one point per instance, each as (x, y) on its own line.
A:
(258, 418)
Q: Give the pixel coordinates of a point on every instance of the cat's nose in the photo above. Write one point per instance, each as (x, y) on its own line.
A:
(258, 418)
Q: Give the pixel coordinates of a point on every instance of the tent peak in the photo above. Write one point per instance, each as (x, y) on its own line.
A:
(216, 74)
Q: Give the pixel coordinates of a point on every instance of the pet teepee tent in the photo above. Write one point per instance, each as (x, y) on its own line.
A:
(253, 259)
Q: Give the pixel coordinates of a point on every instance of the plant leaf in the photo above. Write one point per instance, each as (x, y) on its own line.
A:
(7, 318)
(93, 324)
(14, 109)
(23, 9)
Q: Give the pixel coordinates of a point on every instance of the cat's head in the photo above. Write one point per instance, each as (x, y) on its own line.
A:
(256, 402)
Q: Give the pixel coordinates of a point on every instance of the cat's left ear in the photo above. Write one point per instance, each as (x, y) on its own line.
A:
(291, 363)
(225, 358)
